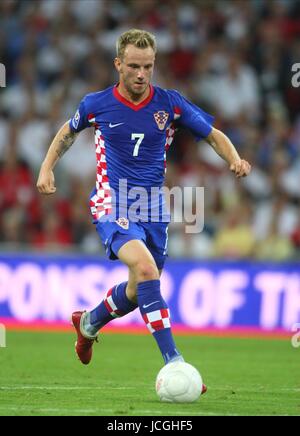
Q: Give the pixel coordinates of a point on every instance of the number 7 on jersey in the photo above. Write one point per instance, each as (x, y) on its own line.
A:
(139, 137)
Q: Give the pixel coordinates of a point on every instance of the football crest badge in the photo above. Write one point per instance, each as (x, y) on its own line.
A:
(161, 118)
(123, 222)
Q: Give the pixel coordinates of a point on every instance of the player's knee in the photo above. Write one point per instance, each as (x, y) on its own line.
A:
(145, 271)
(131, 293)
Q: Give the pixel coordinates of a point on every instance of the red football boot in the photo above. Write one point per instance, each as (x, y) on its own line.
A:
(204, 389)
(84, 343)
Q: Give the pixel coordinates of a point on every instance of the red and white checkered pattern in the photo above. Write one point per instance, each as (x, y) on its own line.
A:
(170, 131)
(157, 320)
(177, 113)
(101, 202)
(92, 119)
(110, 305)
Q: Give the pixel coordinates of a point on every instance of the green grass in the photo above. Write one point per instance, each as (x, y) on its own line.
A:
(40, 376)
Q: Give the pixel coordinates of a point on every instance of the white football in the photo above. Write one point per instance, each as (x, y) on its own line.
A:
(178, 382)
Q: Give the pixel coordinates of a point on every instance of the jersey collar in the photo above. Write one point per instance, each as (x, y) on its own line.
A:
(135, 107)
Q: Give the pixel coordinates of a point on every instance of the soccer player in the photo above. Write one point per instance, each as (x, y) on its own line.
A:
(134, 124)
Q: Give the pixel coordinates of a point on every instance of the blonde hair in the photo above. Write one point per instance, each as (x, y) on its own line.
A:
(136, 37)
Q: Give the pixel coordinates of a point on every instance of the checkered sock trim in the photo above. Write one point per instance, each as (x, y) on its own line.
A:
(110, 305)
(157, 320)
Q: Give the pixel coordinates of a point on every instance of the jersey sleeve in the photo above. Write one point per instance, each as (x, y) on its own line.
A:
(191, 116)
(80, 120)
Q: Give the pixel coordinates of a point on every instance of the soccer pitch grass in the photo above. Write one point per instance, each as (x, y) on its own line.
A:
(40, 375)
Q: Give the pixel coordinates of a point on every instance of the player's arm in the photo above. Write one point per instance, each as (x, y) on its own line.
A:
(60, 144)
(224, 147)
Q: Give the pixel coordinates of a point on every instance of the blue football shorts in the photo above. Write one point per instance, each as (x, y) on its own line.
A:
(114, 234)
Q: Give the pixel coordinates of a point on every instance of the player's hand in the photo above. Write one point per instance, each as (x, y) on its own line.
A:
(240, 168)
(46, 182)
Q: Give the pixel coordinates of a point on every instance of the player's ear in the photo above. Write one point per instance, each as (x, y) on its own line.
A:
(117, 62)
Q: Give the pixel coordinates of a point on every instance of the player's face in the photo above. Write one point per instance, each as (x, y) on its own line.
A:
(136, 69)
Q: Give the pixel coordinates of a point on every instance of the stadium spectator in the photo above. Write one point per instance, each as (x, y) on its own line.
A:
(235, 239)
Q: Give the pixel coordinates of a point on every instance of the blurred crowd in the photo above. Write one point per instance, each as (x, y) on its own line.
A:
(231, 57)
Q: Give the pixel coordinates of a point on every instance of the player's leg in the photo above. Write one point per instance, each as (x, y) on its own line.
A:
(132, 286)
(115, 303)
(121, 299)
(118, 302)
(87, 324)
(146, 288)
(157, 243)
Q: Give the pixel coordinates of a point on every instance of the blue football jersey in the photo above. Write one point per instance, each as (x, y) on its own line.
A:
(131, 144)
